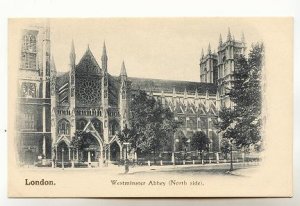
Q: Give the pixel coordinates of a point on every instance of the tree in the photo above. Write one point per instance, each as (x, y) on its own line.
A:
(151, 124)
(200, 142)
(241, 124)
(183, 142)
(77, 141)
(226, 147)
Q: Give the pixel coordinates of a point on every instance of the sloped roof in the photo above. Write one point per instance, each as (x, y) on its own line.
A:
(158, 85)
(61, 79)
(88, 64)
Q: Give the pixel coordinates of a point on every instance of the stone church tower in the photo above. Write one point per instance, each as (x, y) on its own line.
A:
(33, 102)
(218, 67)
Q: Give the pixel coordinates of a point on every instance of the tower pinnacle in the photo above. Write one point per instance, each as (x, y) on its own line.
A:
(209, 49)
(104, 50)
(104, 58)
(72, 53)
(229, 35)
(123, 69)
(220, 40)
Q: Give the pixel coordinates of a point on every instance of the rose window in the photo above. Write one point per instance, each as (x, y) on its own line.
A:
(89, 91)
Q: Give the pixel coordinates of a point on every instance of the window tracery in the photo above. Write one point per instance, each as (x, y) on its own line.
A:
(28, 55)
(63, 127)
(29, 121)
(81, 124)
(89, 91)
(28, 90)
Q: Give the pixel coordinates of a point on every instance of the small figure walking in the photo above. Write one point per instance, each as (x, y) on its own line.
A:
(126, 163)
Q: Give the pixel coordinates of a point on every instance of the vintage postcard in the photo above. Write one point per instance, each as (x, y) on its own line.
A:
(150, 107)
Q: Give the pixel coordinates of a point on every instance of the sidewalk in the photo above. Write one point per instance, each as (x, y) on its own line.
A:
(115, 169)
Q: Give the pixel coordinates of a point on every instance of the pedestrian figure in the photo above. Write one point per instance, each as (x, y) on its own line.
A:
(126, 163)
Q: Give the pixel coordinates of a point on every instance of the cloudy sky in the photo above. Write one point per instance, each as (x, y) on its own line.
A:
(167, 48)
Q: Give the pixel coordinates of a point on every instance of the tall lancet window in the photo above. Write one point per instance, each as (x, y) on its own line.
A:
(29, 121)
(63, 127)
(29, 48)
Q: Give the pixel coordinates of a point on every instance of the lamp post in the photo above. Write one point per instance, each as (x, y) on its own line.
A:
(62, 158)
(231, 159)
(126, 163)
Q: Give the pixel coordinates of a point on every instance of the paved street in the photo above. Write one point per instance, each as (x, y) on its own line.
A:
(240, 170)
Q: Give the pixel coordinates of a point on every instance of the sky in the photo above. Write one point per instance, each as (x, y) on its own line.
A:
(162, 48)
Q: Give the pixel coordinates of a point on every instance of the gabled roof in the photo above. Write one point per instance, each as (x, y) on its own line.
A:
(88, 64)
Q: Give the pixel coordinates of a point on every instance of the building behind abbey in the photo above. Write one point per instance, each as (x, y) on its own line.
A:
(53, 105)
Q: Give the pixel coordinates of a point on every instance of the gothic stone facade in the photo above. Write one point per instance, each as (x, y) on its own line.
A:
(52, 106)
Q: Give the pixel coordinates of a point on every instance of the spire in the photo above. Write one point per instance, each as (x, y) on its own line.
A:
(220, 40)
(104, 50)
(209, 49)
(229, 35)
(104, 58)
(243, 37)
(202, 54)
(72, 54)
(123, 70)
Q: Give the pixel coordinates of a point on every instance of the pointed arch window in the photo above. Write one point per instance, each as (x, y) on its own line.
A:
(64, 127)
(98, 125)
(29, 121)
(29, 48)
(80, 125)
(29, 43)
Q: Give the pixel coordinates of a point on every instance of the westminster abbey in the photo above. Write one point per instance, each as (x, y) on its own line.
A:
(53, 105)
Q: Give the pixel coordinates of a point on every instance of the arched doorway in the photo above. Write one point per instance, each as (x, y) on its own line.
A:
(115, 151)
(63, 151)
(91, 150)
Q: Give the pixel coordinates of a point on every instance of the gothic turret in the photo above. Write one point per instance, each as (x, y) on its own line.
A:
(123, 70)
(220, 40)
(72, 88)
(104, 58)
(53, 74)
(123, 104)
(72, 54)
(104, 90)
(229, 35)
(209, 49)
